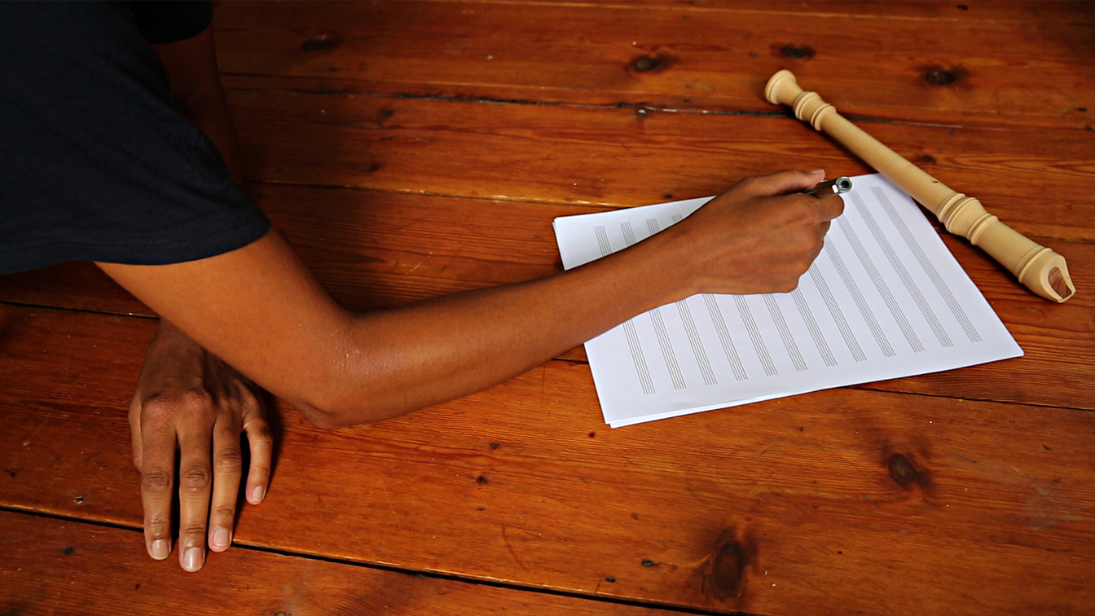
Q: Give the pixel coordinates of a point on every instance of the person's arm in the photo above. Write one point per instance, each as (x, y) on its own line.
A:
(260, 309)
(187, 398)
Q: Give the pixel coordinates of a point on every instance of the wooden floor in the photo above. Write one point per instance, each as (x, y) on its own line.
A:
(411, 149)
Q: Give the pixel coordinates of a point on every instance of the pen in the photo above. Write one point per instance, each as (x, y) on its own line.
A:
(829, 188)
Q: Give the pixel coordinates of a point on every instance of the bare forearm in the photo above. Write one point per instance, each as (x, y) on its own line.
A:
(448, 347)
(746, 241)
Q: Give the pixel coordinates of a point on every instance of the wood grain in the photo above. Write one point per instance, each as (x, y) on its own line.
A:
(924, 61)
(413, 149)
(916, 502)
(1044, 11)
(375, 249)
(616, 157)
(56, 566)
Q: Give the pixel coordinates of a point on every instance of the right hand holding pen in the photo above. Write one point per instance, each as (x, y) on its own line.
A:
(758, 237)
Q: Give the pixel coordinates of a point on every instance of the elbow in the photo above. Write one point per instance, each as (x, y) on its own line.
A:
(334, 415)
(323, 418)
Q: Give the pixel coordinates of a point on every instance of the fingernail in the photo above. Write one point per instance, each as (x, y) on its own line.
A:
(192, 560)
(221, 538)
(256, 495)
(160, 549)
(816, 171)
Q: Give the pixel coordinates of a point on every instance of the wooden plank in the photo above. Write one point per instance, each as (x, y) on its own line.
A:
(1041, 11)
(920, 504)
(55, 566)
(370, 249)
(377, 249)
(616, 157)
(76, 286)
(1019, 72)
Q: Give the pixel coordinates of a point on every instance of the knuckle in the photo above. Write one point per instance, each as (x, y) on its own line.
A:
(748, 183)
(157, 409)
(156, 480)
(229, 460)
(157, 527)
(815, 244)
(259, 434)
(196, 399)
(224, 512)
(788, 286)
(195, 477)
(803, 265)
(807, 212)
(191, 530)
(252, 404)
(163, 407)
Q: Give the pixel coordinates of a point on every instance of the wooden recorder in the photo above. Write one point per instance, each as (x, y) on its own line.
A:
(1038, 268)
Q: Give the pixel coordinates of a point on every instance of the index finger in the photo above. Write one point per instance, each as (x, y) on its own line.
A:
(783, 182)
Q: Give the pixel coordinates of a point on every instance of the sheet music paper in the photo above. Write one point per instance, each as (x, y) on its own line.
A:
(885, 299)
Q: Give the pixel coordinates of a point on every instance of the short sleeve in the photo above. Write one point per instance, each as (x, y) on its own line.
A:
(96, 163)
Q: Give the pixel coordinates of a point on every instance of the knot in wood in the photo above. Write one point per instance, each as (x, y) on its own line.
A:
(797, 52)
(727, 570)
(940, 76)
(645, 64)
(327, 40)
(722, 574)
(902, 470)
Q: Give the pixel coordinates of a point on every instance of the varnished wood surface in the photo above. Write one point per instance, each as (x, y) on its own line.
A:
(58, 566)
(378, 249)
(939, 59)
(757, 510)
(411, 149)
(591, 155)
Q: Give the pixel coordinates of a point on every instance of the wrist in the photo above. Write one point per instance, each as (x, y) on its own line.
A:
(662, 267)
(675, 260)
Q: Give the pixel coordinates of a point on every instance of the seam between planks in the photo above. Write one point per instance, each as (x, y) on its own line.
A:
(136, 530)
(781, 112)
(691, 8)
(111, 313)
(576, 203)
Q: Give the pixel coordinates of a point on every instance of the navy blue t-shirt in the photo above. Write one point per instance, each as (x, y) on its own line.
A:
(96, 163)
